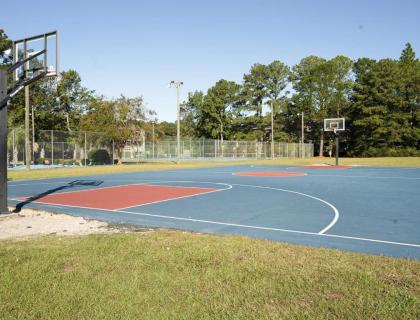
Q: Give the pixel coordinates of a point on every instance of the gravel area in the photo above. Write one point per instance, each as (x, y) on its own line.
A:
(30, 222)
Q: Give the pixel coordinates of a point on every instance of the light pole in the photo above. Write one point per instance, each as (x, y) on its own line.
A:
(177, 84)
(153, 138)
(272, 131)
(302, 133)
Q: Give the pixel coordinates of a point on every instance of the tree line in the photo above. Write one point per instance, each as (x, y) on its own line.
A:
(380, 100)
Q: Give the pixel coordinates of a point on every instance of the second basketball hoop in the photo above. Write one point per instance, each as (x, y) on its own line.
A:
(335, 125)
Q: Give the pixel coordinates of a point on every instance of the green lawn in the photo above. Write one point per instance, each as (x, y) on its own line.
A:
(68, 172)
(179, 275)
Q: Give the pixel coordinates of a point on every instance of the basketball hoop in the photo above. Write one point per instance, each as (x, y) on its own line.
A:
(335, 130)
(33, 58)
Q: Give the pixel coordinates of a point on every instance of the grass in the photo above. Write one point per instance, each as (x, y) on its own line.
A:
(82, 171)
(178, 275)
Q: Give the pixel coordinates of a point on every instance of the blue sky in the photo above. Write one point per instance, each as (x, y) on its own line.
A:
(136, 47)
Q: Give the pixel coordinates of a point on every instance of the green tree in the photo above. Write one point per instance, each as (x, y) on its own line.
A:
(72, 98)
(168, 129)
(250, 121)
(410, 96)
(372, 120)
(215, 120)
(5, 44)
(322, 90)
(191, 112)
(275, 80)
(121, 119)
(384, 114)
(263, 85)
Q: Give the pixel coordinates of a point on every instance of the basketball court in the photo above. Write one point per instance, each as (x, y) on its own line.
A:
(362, 209)
(372, 210)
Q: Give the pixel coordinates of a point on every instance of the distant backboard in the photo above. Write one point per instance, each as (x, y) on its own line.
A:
(45, 48)
(334, 124)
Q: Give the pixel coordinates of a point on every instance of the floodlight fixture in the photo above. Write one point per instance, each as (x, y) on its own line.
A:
(177, 84)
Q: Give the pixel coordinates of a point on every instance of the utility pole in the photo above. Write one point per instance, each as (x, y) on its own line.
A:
(153, 138)
(303, 127)
(302, 132)
(272, 131)
(337, 148)
(177, 84)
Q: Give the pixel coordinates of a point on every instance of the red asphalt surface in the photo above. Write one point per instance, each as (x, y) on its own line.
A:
(270, 174)
(120, 197)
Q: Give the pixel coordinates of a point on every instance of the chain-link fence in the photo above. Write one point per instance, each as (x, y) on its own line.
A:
(204, 149)
(16, 146)
(51, 147)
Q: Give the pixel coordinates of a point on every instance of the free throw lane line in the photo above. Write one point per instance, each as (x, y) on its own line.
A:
(336, 213)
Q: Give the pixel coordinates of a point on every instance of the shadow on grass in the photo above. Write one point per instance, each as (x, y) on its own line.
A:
(70, 185)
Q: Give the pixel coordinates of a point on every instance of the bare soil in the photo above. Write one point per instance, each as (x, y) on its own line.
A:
(29, 222)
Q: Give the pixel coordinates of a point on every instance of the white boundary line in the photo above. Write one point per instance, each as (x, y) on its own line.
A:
(272, 229)
(324, 230)
(241, 225)
(146, 182)
(365, 176)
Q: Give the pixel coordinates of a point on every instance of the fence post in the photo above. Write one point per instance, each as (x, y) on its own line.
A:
(85, 153)
(215, 152)
(256, 150)
(113, 149)
(52, 147)
(246, 149)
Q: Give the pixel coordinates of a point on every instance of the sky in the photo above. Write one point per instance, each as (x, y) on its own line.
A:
(136, 48)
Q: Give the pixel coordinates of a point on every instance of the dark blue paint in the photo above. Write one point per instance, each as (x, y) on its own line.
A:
(374, 202)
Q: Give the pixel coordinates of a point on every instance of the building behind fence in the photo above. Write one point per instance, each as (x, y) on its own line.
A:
(63, 147)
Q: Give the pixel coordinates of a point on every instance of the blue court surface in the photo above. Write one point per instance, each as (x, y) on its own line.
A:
(363, 209)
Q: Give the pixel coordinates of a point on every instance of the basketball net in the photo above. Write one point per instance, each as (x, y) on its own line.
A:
(335, 130)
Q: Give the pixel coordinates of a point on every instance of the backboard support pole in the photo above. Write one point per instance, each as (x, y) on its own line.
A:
(20, 81)
(337, 148)
(3, 144)
(27, 135)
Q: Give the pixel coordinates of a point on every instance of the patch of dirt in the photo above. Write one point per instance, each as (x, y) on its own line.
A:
(29, 222)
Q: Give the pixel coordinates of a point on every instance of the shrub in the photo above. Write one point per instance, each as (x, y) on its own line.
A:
(39, 161)
(99, 157)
